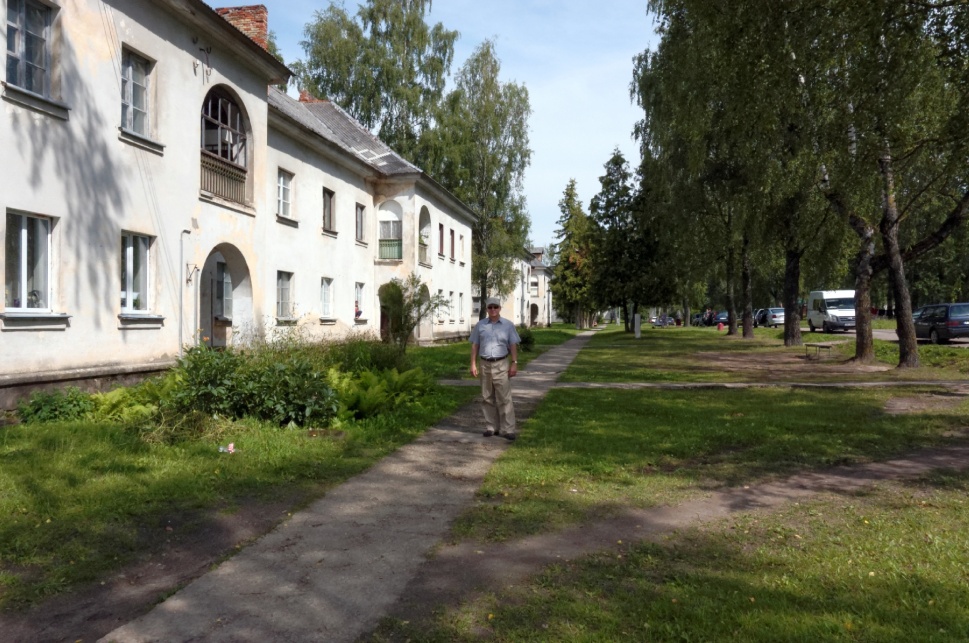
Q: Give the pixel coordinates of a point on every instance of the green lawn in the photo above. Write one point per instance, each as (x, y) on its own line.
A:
(886, 564)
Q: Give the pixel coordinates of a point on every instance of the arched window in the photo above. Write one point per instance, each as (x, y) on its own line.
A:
(224, 147)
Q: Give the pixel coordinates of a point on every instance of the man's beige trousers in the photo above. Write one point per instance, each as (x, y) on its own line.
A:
(496, 393)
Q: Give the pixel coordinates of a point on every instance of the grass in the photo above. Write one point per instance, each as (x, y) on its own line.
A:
(80, 500)
(883, 565)
(586, 453)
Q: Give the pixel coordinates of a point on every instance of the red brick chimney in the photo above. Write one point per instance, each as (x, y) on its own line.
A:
(306, 97)
(252, 20)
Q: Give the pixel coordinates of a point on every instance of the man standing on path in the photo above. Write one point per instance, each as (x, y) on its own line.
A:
(495, 339)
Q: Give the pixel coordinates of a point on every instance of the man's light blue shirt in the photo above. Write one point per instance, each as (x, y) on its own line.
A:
(494, 339)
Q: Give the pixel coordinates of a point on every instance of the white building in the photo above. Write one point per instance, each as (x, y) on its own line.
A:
(541, 312)
(158, 192)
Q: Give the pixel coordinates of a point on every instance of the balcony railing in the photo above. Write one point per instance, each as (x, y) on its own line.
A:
(423, 255)
(223, 179)
(391, 249)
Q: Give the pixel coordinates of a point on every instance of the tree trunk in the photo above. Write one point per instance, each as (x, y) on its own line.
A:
(626, 317)
(908, 352)
(864, 348)
(483, 289)
(731, 300)
(792, 290)
(748, 290)
(687, 313)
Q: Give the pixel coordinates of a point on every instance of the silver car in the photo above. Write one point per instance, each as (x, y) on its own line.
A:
(774, 317)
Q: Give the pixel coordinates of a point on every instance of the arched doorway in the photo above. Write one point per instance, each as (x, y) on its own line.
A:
(225, 299)
(534, 315)
(424, 252)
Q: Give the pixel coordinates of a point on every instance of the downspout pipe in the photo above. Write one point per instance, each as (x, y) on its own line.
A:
(181, 289)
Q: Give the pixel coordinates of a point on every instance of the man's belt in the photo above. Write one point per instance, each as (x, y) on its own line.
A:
(495, 359)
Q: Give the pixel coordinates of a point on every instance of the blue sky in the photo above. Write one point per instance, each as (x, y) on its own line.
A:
(575, 58)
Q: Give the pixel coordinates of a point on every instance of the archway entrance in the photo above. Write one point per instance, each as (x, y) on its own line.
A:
(225, 299)
(534, 315)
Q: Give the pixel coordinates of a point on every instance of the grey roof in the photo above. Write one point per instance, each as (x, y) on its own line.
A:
(331, 123)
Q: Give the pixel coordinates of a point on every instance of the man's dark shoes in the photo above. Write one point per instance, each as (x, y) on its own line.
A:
(509, 436)
(488, 433)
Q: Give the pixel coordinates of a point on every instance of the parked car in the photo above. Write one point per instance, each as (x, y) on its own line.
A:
(941, 322)
(721, 318)
(773, 317)
(697, 319)
(760, 317)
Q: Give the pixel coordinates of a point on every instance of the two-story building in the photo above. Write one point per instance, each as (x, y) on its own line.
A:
(159, 191)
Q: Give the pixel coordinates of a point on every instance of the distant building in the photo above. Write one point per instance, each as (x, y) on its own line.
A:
(158, 192)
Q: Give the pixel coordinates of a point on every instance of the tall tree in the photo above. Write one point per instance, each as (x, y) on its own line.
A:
(479, 151)
(386, 67)
(572, 283)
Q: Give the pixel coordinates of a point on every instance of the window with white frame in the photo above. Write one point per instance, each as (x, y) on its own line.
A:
(533, 286)
(361, 221)
(28, 46)
(461, 306)
(284, 303)
(358, 300)
(326, 297)
(284, 193)
(134, 93)
(223, 291)
(461, 247)
(329, 224)
(134, 272)
(450, 305)
(452, 244)
(391, 240)
(27, 263)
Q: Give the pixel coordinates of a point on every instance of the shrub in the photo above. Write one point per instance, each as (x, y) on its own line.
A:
(527, 337)
(207, 381)
(285, 387)
(60, 404)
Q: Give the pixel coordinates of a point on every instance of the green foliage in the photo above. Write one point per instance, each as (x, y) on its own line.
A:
(572, 286)
(70, 403)
(373, 392)
(284, 387)
(404, 303)
(527, 338)
(386, 67)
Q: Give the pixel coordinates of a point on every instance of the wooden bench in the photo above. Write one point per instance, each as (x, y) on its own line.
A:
(818, 347)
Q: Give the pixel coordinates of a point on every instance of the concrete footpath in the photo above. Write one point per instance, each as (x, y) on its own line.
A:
(333, 570)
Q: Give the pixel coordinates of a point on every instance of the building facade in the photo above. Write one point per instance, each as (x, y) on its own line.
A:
(159, 191)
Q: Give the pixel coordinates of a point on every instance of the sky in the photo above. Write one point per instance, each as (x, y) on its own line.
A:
(573, 56)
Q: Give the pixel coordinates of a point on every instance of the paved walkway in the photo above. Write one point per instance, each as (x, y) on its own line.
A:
(333, 570)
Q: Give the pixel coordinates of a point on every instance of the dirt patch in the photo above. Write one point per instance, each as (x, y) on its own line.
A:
(89, 612)
(926, 403)
(786, 365)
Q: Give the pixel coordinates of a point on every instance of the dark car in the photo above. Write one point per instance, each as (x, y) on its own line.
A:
(760, 317)
(941, 322)
(721, 318)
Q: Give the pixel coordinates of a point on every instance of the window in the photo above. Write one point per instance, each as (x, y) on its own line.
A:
(326, 297)
(360, 221)
(28, 46)
(223, 130)
(27, 263)
(450, 305)
(440, 236)
(391, 240)
(284, 304)
(134, 273)
(284, 187)
(328, 223)
(533, 286)
(358, 300)
(224, 148)
(452, 245)
(223, 291)
(134, 93)
(461, 306)
(461, 248)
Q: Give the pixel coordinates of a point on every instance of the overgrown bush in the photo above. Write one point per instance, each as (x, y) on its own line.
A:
(373, 392)
(527, 337)
(285, 387)
(134, 404)
(207, 381)
(68, 404)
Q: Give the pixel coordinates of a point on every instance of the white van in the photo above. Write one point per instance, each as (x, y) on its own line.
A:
(831, 310)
